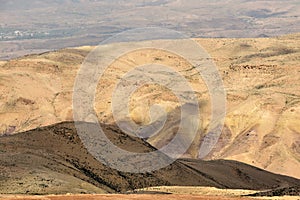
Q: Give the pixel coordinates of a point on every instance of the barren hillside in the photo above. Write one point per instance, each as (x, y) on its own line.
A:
(261, 77)
(52, 160)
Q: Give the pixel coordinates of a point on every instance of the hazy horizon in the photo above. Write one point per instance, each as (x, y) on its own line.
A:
(37, 26)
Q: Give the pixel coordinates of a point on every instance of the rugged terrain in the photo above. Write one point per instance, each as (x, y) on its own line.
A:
(261, 77)
(52, 160)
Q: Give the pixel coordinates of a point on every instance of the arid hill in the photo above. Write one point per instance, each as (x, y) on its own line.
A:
(261, 77)
(52, 160)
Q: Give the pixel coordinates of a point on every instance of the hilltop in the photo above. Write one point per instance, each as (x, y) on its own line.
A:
(261, 77)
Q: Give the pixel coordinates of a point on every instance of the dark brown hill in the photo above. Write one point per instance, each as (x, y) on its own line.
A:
(52, 160)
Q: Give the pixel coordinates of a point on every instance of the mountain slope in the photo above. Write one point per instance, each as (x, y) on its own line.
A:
(53, 160)
(261, 77)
